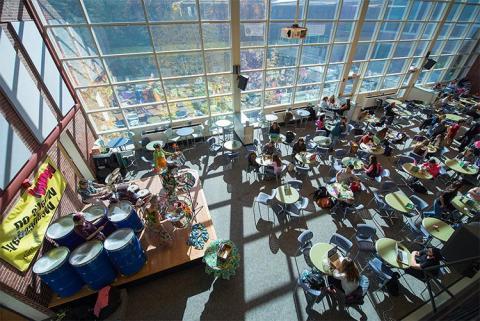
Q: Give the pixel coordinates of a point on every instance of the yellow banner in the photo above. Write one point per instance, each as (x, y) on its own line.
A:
(23, 229)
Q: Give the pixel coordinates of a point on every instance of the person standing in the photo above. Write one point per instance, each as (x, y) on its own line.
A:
(159, 159)
(469, 135)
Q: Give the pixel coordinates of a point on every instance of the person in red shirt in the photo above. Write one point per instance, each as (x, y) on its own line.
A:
(320, 122)
(367, 138)
(452, 132)
(373, 169)
(432, 167)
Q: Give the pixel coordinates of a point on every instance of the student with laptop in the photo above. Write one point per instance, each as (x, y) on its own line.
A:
(421, 260)
(344, 277)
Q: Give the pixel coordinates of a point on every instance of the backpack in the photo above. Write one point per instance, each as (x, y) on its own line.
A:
(289, 137)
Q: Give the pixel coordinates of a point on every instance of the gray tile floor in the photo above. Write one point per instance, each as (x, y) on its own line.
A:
(264, 286)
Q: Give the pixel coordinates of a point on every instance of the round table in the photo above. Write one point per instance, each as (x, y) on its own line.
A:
(375, 150)
(454, 117)
(271, 117)
(399, 201)
(386, 250)
(285, 198)
(454, 164)
(267, 161)
(339, 191)
(416, 171)
(232, 145)
(465, 205)
(322, 140)
(302, 112)
(397, 102)
(223, 123)
(356, 162)
(319, 256)
(184, 131)
(437, 228)
(152, 143)
(278, 138)
(213, 265)
(306, 158)
(371, 119)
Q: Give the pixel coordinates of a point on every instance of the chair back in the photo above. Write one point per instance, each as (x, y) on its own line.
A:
(388, 186)
(341, 242)
(420, 204)
(211, 141)
(304, 238)
(365, 231)
(340, 153)
(297, 184)
(404, 159)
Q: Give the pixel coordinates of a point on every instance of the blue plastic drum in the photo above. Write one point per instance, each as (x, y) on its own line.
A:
(91, 262)
(125, 251)
(123, 215)
(54, 270)
(97, 214)
(62, 233)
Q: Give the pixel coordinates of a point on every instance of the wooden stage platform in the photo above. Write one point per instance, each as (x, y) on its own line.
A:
(165, 257)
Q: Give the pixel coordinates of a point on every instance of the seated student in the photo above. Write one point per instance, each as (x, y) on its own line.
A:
(452, 131)
(343, 108)
(86, 229)
(346, 175)
(345, 277)
(432, 167)
(389, 113)
(366, 139)
(299, 147)
(373, 169)
(421, 260)
(276, 167)
(274, 130)
(473, 111)
(387, 149)
(421, 148)
(439, 141)
(288, 116)
(438, 128)
(337, 130)
(324, 103)
(382, 133)
(252, 161)
(269, 149)
(320, 123)
(331, 102)
(443, 204)
(92, 192)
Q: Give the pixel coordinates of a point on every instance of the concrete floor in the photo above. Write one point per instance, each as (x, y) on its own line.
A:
(264, 287)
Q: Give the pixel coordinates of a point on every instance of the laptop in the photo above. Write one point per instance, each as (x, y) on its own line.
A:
(333, 257)
(402, 257)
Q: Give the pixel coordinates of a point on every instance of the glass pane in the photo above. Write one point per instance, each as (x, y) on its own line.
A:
(437, 47)
(215, 10)
(406, 79)
(180, 64)
(450, 47)
(453, 12)
(307, 93)
(123, 39)
(107, 120)
(139, 93)
(438, 11)
(97, 98)
(474, 32)
(282, 57)
(420, 49)
(444, 31)
(395, 9)
(274, 35)
(410, 31)
(349, 9)
(468, 45)
(318, 32)
(428, 32)
(374, 9)
(280, 78)
(468, 13)
(73, 42)
(147, 115)
(60, 12)
(171, 10)
(375, 68)
(114, 10)
(251, 58)
(330, 88)
(381, 50)
(388, 30)
(220, 84)
(313, 55)
(253, 9)
(419, 10)
(449, 75)
(396, 66)
(190, 38)
(421, 77)
(220, 105)
(184, 88)
(252, 34)
(286, 9)
(308, 75)
(369, 84)
(251, 100)
(278, 97)
(361, 51)
(355, 68)
(368, 30)
(403, 49)
(255, 80)
(338, 53)
(344, 30)
(218, 61)
(435, 76)
(322, 9)
(390, 82)
(442, 62)
(216, 35)
(458, 31)
(86, 72)
(334, 72)
(131, 68)
(188, 109)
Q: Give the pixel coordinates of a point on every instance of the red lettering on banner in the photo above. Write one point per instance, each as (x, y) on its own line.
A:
(40, 187)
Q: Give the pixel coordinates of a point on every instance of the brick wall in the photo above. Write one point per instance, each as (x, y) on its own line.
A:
(13, 10)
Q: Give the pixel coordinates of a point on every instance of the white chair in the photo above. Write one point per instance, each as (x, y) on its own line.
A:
(265, 199)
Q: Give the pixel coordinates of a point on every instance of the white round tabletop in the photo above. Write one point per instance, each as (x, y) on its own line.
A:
(153, 143)
(322, 140)
(302, 113)
(287, 196)
(271, 117)
(232, 145)
(185, 131)
(223, 123)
